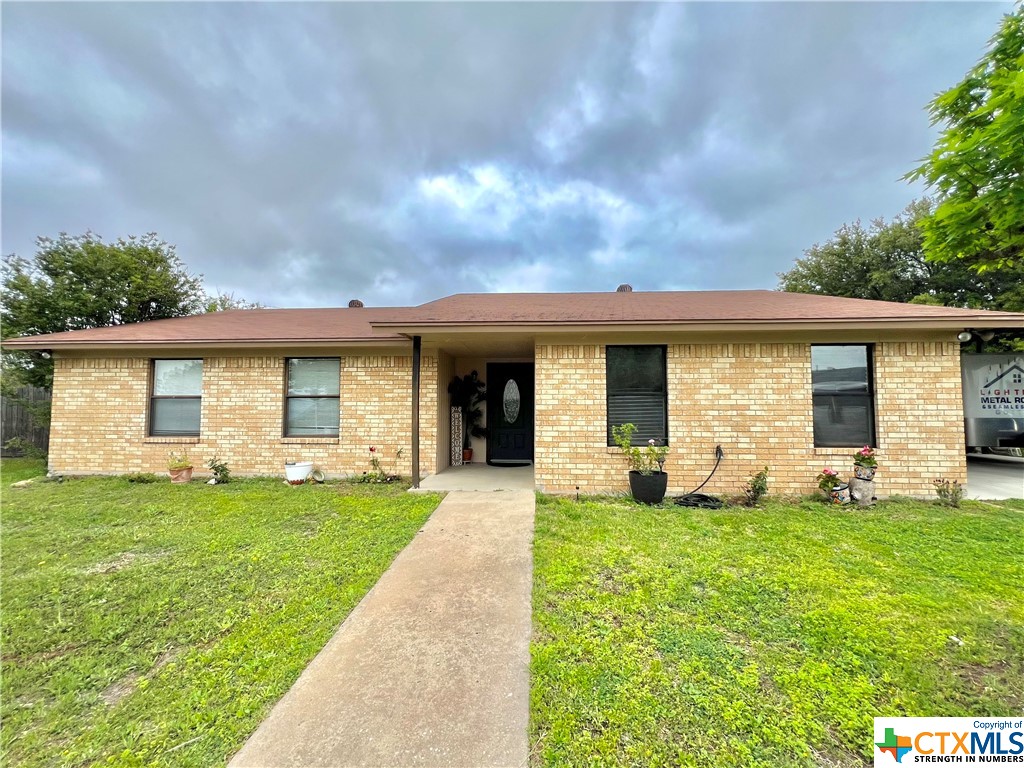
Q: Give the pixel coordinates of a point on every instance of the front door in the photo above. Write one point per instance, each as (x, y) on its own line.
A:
(509, 413)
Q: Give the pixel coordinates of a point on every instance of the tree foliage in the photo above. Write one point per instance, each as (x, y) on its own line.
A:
(886, 262)
(81, 282)
(977, 165)
(222, 302)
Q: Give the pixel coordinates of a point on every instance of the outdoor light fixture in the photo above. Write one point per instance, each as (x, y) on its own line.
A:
(965, 336)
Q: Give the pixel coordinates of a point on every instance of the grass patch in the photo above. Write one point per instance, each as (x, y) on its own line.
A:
(156, 624)
(769, 636)
(15, 470)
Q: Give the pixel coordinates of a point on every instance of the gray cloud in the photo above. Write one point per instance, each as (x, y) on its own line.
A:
(399, 152)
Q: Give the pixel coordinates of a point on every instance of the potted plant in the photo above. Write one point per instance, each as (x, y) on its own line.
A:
(865, 464)
(467, 393)
(836, 492)
(179, 466)
(648, 479)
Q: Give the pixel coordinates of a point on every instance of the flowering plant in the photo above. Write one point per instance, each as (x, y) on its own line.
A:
(865, 457)
(647, 460)
(379, 474)
(827, 479)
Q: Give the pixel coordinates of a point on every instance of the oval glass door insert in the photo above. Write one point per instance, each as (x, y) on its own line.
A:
(511, 400)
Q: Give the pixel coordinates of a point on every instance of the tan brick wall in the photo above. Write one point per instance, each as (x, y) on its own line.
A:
(755, 401)
(100, 415)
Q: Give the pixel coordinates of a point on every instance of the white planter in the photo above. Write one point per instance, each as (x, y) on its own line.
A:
(297, 471)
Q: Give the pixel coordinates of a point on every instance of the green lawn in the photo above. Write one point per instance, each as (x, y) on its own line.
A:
(13, 470)
(157, 624)
(767, 637)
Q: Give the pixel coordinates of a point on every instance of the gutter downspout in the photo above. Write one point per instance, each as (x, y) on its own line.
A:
(417, 342)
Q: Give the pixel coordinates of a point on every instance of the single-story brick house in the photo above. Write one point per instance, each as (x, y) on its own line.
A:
(792, 381)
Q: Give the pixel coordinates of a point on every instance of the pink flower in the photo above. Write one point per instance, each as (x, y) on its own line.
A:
(651, 441)
(827, 471)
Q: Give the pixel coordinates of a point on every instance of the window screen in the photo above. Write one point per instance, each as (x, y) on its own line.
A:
(637, 392)
(843, 392)
(175, 403)
(312, 397)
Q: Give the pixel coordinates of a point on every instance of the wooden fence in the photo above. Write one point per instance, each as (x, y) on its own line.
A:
(16, 418)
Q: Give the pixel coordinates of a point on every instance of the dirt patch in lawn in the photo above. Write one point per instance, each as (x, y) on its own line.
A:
(122, 561)
(114, 693)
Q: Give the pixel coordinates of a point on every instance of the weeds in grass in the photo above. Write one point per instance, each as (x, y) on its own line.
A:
(156, 624)
(731, 638)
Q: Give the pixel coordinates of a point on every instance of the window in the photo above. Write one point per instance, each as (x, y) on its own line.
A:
(637, 392)
(312, 397)
(842, 388)
(174, 406)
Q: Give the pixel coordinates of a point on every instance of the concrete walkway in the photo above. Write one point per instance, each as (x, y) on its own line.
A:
(432, 667)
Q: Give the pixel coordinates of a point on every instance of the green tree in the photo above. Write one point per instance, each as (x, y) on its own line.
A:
(886, 262)
(81, 282)
(222, 302)
(977, 165)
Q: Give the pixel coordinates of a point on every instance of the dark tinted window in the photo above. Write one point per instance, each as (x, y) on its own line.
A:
(843, 393)
(637, 392)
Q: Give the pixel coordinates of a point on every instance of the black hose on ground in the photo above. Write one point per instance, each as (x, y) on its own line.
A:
(703, 500)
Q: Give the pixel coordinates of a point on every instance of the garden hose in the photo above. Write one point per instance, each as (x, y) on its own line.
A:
(703, 500)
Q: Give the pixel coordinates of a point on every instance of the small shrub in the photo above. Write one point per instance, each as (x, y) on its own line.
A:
(24, 448)
(221, 473)
(756, 488)
(141, 477)
(950, 492)
(646, 460)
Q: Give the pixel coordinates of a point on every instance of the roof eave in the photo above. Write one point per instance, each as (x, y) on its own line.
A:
(33, 343)
(931, 323)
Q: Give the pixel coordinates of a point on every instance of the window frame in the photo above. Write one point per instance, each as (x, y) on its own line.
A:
(607, 391)
(153, 397)
(869, 348)
(288, 398)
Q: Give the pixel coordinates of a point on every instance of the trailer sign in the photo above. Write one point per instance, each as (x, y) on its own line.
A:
(993, 386)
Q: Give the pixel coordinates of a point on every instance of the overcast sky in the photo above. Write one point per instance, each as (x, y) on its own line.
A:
(306, 154)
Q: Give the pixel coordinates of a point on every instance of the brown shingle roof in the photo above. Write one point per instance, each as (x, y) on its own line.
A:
(651, 307)
(246, 326)
(372, 325)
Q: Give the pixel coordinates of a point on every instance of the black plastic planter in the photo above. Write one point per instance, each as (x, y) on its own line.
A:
(648, 489)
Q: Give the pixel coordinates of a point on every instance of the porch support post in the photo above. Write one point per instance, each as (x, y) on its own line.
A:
(417, 343)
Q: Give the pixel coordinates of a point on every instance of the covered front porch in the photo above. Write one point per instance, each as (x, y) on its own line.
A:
(502, 449)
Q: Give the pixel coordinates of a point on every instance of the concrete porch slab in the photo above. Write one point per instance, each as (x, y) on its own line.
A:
(480, 477)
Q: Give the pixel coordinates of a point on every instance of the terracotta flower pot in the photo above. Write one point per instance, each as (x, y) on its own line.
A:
(864, 473)
(648, 489)
(467, 455)
(181, 475)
